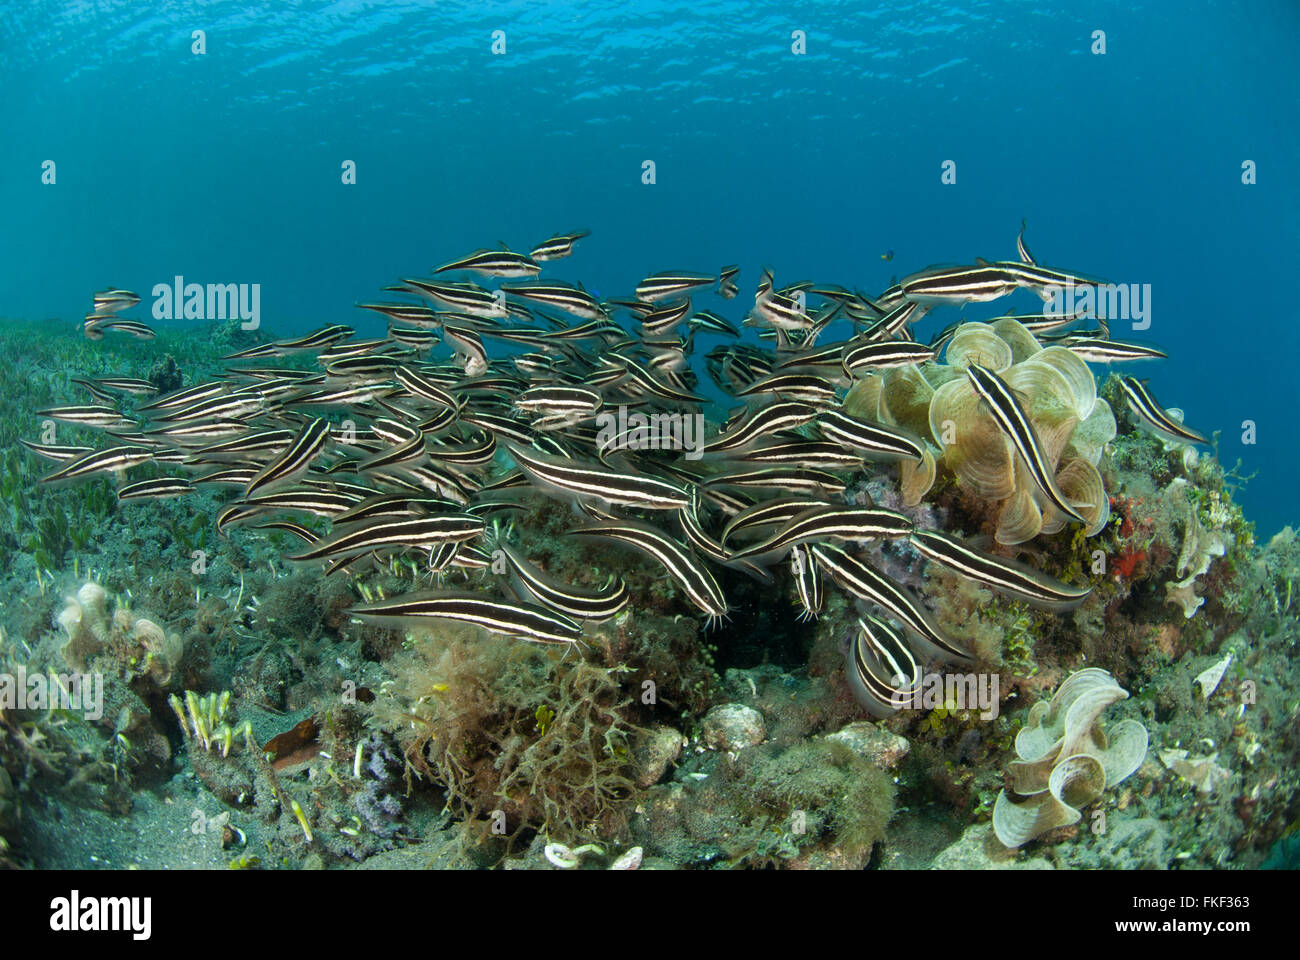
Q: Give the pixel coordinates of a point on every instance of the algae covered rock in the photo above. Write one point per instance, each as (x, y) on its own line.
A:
(977, 850)
(733, 727)
(872, 742)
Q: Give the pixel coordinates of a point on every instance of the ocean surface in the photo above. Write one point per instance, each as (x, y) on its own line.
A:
(226, 166)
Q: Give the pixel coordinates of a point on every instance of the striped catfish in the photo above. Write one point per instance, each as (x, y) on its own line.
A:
(688, 572)
(602, 604)
(1013, 421)
(882, 669)
(865, 582)
(587, 482)
(418, 533)
(999, 573)
(1151, 414)
(524, 621)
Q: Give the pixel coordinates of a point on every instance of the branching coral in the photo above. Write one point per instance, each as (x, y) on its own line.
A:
(1066, 761)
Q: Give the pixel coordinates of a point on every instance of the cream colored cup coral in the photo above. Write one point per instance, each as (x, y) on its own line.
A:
(1059, 395)
(1066, 760)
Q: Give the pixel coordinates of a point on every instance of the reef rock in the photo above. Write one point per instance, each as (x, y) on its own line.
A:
(976, 850)
(661, 746)
(733, 727)
(873, 743)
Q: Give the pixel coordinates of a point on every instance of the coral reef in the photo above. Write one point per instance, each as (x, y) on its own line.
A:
(452, 727)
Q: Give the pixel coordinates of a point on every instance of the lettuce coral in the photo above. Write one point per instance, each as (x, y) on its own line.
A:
(1058, 393)
(1066, 760)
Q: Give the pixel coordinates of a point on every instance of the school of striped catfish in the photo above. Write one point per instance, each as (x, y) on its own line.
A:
(420, 444)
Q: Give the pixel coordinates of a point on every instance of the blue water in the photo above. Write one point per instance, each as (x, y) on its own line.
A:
(226, 166)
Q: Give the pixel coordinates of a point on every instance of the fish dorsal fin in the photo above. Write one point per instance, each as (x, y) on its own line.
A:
(981, 262)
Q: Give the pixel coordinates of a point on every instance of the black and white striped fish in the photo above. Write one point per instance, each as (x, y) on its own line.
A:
(727, 286)
(56, 452)
(155, 489)
(417, 315)
(815, 483)
(561, 296)
(808, 583)
(588, 482)
(805, 387)
(558, 405)
(184, 398)
(895, 322)
(818, 454)
(467, 297)
(113, 300)
(976, 284)
(777, 310)
(666, 318)
(1102, 350)
(110, 460)
(859, 359)
(602, 604)
(999, 573)
(1012, 420)
(524, 621)
(296, 458)
(141, 331)
(1149, 411)
(868, 439)
(418, 533)
(819, 524)
(865, 582)
(132, 385)
(688, 572)
(672, 283)
(1025, 255)
(765, 514)
(784, 415)
(468, 346)
(494, 263)
(558, 246)
(882, 670)
(86, 415)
